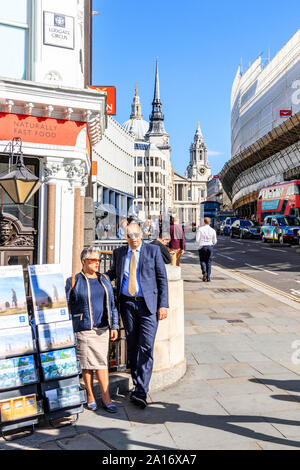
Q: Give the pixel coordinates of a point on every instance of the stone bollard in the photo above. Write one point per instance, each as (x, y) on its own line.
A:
(169, 360)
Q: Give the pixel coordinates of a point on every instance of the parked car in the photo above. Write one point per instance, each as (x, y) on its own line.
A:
(225, 230)
(281, 229)
(244, 229)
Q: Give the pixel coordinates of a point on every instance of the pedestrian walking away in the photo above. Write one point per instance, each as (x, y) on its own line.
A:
(206, 238)
(177, 242)
(142, 298)
(96, 321)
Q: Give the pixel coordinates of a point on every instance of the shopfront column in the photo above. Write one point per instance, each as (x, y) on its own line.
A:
(77, 232)
(82, 198)
(51, 211)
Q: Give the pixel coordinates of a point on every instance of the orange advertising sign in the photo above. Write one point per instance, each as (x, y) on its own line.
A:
(39, 130)
(111, 97)
(94, 168)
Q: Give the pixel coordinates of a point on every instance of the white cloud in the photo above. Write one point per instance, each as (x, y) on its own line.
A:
(212, 153)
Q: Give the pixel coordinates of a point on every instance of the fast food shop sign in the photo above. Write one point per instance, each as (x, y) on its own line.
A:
(39, 129)
(58, 30)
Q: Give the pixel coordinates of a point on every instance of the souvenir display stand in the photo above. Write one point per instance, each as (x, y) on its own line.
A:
(59, 368)
(20, 399)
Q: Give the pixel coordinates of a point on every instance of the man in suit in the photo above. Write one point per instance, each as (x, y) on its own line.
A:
(142, 298)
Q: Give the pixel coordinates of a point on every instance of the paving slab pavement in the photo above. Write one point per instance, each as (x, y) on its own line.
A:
(241, 389)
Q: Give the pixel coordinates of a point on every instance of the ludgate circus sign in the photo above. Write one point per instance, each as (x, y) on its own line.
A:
(39, 130)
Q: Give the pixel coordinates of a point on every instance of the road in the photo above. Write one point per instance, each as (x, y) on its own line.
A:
(271, 264)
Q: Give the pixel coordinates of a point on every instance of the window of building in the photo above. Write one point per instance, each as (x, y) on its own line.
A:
(15, 30)
(139, 161)
(139, 192)
(151, 161)
(139, 177)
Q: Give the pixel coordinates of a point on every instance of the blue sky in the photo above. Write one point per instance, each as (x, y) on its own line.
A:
(199, 46)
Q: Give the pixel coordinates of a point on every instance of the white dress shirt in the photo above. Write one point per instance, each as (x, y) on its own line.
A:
(206, 236)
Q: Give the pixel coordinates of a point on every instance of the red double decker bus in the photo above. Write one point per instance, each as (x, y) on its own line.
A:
(281, 199)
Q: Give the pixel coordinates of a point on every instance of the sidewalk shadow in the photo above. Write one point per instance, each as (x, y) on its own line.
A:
(117, 438)
(289, 385)
(171, 413)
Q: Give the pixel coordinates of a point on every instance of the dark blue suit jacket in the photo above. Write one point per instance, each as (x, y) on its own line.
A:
(152, 271)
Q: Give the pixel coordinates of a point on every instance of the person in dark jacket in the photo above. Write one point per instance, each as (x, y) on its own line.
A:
(96, 320)
(162, 242)
(142, 292)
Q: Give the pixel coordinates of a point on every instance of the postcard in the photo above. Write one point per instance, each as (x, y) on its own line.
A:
(56, 335)
(18, 407)
(12, 296)
(17, 371)
(16, 341)
(48, 293)
(14, 321)
(60, 363)
(64, 396)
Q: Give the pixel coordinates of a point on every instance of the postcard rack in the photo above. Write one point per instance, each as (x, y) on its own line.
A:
(63, 398)
(20, 409)
(60, 387)
(20, 402)
(58, 364)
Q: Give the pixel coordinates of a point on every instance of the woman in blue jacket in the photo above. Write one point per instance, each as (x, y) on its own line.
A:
(96, 320)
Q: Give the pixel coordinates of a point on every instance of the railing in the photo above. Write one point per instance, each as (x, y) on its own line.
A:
(109, 245)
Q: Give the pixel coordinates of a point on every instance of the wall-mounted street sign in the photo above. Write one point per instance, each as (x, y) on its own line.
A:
(58, 30)
(285, 112)
(111, 97)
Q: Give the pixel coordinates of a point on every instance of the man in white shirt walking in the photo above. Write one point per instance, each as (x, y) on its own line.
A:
(206, 238)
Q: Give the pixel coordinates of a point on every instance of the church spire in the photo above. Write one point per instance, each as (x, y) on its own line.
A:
(156, 117)
(156, 87)
(198, 134)
(136, 107)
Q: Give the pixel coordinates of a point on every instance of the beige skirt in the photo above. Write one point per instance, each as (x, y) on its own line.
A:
(93, 348)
